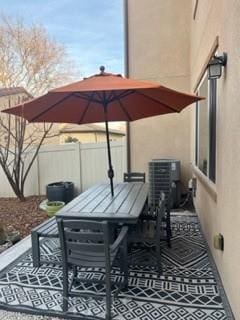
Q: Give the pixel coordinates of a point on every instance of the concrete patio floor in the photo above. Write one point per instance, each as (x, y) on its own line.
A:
(5, 315)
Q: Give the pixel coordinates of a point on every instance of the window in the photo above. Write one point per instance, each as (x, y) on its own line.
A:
(205, 153)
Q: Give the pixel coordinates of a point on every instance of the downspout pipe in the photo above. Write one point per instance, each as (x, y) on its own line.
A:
(126, 71)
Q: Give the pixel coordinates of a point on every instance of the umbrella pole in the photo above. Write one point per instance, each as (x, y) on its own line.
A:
(110, 170)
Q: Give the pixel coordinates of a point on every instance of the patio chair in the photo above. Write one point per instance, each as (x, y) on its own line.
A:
(149, 215)
(162, 183)
(134, 177)
(87, 244)
(153, 234)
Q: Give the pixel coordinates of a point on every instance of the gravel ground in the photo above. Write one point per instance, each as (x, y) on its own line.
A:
(21, 216)
(5, 315)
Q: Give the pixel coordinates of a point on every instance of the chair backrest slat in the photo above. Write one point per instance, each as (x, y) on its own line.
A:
(76, 260)
(134, 177)
(83, 224)
(83, 235)
(85, 247)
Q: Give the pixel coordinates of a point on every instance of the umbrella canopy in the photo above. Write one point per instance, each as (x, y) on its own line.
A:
(101, 98)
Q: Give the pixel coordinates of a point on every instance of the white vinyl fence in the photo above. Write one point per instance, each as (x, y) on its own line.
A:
(82, 164)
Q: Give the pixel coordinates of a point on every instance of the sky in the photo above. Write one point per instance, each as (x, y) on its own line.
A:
(90, 30)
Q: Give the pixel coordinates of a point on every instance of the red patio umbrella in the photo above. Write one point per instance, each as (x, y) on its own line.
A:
(103, 97)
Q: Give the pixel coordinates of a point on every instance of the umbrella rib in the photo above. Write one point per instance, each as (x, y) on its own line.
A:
(85, 97)
(155, 100)
(110, 98)
(99, 96)
(122, 95)
(123, 108)
(49, 108)
(87, 107)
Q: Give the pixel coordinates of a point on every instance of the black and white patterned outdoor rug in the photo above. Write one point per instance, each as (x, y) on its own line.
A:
(187, 289)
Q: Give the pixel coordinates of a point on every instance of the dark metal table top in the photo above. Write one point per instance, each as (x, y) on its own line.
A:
(97, 203)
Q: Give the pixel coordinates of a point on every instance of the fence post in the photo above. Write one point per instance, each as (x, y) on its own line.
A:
(124, 155)
(38, 174)
(79, 163)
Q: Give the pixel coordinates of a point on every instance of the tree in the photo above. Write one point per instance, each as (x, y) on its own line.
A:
(70, 139)
(29, 59)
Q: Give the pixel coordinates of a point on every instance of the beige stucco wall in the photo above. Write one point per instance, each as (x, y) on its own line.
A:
(159, 34)
(167, 45)
(219, 205)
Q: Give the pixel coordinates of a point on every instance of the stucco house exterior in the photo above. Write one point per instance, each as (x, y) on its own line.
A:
(10, 97)
(172, 42)
(91, 133)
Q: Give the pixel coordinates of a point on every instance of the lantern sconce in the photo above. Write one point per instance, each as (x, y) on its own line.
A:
(215, 66)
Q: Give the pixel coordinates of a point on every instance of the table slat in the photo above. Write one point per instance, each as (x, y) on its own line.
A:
(107, 202)
(132, 198)
(117, 203)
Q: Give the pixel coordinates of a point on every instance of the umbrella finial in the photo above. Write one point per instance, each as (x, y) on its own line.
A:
(102, 69)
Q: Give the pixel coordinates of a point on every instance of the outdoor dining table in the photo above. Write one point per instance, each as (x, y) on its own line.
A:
(98, 204)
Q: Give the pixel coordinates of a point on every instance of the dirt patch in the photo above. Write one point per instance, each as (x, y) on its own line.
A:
(21, 216)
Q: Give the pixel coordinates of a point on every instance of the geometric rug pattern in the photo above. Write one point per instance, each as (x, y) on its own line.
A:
(187, 288)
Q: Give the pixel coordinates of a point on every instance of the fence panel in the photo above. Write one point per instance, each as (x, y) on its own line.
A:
(82, 164)
(59, 163)
(31, 185)
(5, 188)
(94, 163)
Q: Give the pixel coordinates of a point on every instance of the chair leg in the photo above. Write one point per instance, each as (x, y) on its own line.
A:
(125, 265)
(158, 255)
(65, 289)
(74, 271)
(108, 296)
(35, 249)
(158, 232)
(168, 229)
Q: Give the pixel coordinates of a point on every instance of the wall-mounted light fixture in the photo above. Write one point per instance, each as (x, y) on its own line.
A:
(215, 66)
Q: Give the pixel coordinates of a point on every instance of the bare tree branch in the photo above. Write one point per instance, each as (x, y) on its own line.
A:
(29, 58)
